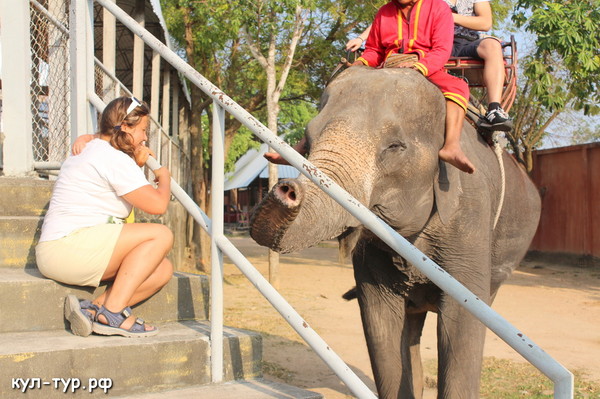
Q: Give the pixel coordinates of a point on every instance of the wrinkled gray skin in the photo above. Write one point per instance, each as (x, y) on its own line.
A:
(377, 135)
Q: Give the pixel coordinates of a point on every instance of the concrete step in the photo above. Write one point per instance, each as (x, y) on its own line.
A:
(19, 235)
(255, 389)
(24, 196)
(176, 358)
(23, 203)
(31, 302)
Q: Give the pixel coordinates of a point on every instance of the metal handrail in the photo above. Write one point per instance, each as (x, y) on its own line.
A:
(562, 378)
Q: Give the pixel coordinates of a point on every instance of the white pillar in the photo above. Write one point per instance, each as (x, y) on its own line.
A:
(155, 86)
(109, 45)
(216, 286)
(154, 141)
(176, 166)
(78, 54)
(175, 107)
(16, 81)
(166, 101)
(138, 52)
(166, 106)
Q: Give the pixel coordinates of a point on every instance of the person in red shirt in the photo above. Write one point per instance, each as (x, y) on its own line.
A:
(427, 30)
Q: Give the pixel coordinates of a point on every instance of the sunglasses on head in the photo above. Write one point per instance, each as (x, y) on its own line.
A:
(134, 104)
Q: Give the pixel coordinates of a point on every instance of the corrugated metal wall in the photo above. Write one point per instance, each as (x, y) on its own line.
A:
(569, 181)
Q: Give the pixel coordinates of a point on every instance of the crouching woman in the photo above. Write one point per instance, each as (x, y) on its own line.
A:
(84, 240)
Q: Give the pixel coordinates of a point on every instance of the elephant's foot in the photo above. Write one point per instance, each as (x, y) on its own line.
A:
(454, 155)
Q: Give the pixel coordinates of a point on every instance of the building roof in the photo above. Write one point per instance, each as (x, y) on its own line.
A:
(154, 22)
(252, 165)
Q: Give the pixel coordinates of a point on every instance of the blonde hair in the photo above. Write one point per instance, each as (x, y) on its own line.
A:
(114, 115)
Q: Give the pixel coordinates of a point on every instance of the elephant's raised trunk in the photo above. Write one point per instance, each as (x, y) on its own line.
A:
(275, 213)
(296, 215)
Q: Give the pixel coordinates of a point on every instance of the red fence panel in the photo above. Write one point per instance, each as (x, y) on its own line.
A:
(569, 182)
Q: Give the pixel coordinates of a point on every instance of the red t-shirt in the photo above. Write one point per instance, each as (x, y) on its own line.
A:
(428, 32)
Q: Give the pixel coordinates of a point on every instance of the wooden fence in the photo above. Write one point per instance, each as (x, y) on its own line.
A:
(569, 182)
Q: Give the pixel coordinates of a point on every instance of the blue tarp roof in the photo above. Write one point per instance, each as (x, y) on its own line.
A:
(252, 165)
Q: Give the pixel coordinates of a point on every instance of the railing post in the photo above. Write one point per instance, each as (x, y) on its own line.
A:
(109, 54)
(79, 47)
(218, 177)
(138, 51)
(17, 150)
(155, 96)
(166, 107)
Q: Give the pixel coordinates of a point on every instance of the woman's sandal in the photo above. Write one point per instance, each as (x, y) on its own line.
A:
(78, 315)
(115, 320)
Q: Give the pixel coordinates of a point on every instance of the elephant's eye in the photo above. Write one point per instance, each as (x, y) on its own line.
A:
(396, 146)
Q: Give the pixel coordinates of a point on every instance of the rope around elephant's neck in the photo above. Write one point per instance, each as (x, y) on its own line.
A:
(498, 152)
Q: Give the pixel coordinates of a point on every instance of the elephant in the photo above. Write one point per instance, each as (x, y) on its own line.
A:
(377, 134)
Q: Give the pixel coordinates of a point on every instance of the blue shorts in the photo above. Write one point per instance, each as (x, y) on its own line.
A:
(467, 48)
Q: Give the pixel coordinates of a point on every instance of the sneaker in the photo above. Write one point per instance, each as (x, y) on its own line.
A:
(498, 119)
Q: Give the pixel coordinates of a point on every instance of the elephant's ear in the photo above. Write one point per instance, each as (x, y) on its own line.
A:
(447, 190)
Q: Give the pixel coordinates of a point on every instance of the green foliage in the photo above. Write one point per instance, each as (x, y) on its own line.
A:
(293, 119)
(567, 52)
(243, 141)
(561, 71)
(330, 26)
(209, 32)
(500, 11)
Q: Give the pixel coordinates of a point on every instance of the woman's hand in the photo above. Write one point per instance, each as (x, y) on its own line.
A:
(141, 155)
(162, 174)
(80, 143)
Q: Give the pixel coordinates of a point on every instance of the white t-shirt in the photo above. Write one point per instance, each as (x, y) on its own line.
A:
(89, 189)
(465, 7)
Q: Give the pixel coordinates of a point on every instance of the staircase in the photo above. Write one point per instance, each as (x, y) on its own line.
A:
(40, 358)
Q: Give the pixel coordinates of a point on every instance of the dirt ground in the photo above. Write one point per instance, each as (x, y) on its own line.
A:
(557, 306)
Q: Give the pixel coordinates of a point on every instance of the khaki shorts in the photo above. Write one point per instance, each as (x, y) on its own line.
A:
(81, 258)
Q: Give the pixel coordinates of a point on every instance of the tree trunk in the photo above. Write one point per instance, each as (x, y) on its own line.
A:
(528, 157)
(274, 90)
(272, 113)
(200, 249)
